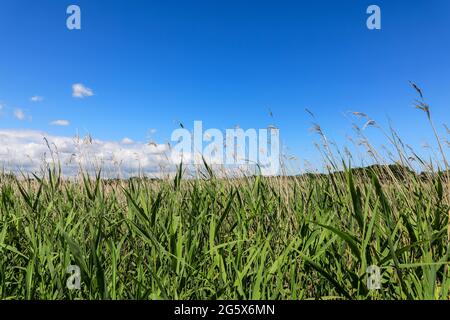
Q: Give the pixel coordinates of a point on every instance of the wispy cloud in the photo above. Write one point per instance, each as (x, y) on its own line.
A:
(80, 91)
(19, 114)
(36, 99)
(62, 123)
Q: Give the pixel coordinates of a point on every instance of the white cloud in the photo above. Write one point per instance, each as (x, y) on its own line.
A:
(60, 123)
(19, 114)
(80, 91)
(36, 99)
(27, 150)
(127, 141)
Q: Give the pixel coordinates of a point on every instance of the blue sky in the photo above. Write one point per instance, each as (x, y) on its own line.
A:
(153, 63)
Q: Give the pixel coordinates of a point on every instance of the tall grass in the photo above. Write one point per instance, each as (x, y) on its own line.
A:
(311, 236)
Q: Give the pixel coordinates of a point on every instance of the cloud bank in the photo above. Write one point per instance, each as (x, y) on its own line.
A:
(31, 151)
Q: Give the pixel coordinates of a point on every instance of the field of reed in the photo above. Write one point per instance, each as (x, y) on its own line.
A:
(311, 236)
